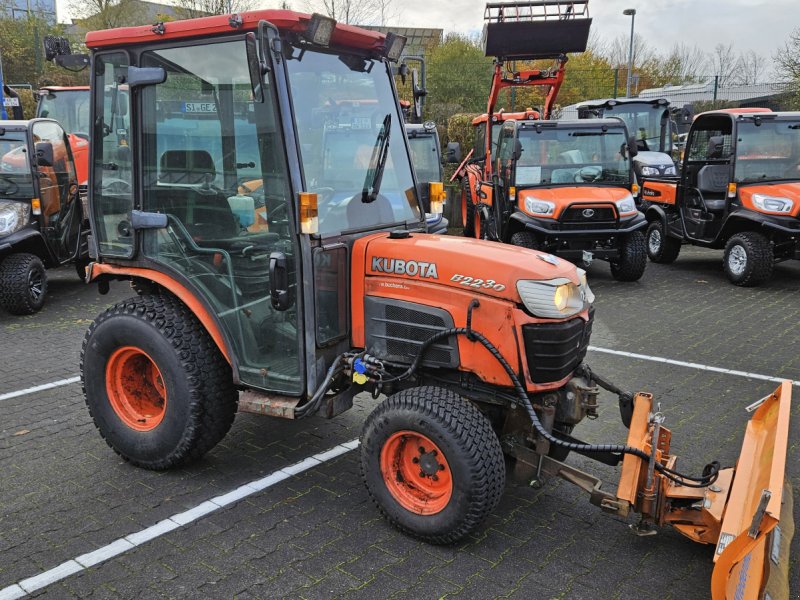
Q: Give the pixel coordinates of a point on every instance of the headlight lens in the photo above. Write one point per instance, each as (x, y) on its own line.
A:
(670, 171)
(13, 216)
(626, 205)
(773, 203)
(539, 208)
(553, 299)
(649, 171)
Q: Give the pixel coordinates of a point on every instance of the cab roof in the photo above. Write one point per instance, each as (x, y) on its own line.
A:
(61, 88)
(346, 36)
(15, 125)
(576, 124)
(749, 113)
(604, 102)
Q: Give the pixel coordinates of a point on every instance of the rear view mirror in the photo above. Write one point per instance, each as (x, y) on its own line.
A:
(254, 67)
(44, 154)
(517, 150)
(402, 71)
(453, 152)
(633, 147)
(139, 76)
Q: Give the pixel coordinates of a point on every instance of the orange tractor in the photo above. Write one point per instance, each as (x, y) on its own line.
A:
(559, 186)
(343, 292)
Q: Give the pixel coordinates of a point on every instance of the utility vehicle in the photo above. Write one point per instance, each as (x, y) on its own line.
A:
(342, 291)
(70, 107)
(41, 216)
(739, 190)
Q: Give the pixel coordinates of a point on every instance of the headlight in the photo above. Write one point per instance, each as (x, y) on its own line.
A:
(13, 216)
(626, 205)
(584, 285)
(553, 299)
(773, 203)
(670, 171)
(649, 171)
(539, 208)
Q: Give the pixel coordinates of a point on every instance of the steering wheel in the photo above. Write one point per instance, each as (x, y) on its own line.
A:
(117, 186)
(587, 174)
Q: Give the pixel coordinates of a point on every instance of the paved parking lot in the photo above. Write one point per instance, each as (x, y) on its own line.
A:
(64, 493)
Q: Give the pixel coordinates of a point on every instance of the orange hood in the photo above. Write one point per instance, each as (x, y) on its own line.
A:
(562, 197)
(462, 263)
(781, 190)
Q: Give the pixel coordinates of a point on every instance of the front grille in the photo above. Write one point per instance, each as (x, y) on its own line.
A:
(589, 217)
(553, 350)
(396, 330)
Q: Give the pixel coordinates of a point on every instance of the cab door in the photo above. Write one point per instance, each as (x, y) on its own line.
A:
(62, 214)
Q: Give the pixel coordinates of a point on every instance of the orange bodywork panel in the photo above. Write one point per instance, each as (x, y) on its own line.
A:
(182, 292)
(782, 190)
(80, 154)
(562, 197)
(661, 192)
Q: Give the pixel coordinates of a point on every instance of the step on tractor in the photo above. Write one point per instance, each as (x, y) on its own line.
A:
(42, 222)
(559, 186)
(738, 190)
(341, 291)
(650, 122)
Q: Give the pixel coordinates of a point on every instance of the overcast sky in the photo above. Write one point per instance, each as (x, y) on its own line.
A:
(749, 24)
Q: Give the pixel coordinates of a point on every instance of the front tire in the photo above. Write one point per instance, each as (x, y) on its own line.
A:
(632, 259)
(23, 284)
(432, 464)
(748, 259)
(661, 248)
(158, 389)
(467, 209)
(524, 239)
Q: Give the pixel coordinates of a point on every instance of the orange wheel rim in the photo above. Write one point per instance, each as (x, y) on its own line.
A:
(136, 388)
(416, 473)
(477, 221)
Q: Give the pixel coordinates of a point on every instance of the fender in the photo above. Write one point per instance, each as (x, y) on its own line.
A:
(29, 240)
(184, 294)
(756, 220)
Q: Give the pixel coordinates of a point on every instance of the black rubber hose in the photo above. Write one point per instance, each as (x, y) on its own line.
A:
(709, 473)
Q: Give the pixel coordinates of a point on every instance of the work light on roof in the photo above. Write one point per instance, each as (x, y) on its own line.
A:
(320, 29)
(395, 44)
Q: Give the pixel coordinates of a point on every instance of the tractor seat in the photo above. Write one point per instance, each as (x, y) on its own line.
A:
(187, 167)
(712, 181)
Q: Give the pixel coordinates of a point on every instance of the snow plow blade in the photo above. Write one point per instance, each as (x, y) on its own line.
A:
(752, 553)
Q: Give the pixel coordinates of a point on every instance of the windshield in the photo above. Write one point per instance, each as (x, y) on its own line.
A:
(643, 122)
(571, 156)
(425, 158)
(768, 151)
(16, 180)
(340, 105)
(69, 108)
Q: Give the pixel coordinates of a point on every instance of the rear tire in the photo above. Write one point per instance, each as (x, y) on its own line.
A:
(524, 239)
(632, 259)
(424, 432)
(467, 209)
(661, 248)
(158, 389)
(748, 259)
(23, 284)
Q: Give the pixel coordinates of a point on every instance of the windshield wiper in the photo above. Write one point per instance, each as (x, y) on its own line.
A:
(372, 182)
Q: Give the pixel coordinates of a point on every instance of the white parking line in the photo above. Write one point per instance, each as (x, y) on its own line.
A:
(129, 542)
(39, 388)
(691, 365)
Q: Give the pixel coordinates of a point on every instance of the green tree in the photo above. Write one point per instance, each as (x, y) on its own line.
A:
(92, 15)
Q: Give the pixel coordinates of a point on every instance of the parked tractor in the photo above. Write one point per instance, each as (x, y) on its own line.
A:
(478, 346)
(739, 190)
(41, 215)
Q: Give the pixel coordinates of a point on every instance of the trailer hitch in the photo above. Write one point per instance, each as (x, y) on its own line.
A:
(625, 398)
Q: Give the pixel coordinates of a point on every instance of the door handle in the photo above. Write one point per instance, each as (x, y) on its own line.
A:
(278, 281)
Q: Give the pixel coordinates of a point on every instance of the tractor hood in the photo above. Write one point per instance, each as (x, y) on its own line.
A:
(784, 190)
(461, 263)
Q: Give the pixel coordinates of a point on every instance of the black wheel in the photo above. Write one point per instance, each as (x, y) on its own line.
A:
(80, 267)
(748, 259)
(23, 284)
(524, 239)
(432, 464)
(159, 390)
(632, 259)
(661, 248)
(467, 209)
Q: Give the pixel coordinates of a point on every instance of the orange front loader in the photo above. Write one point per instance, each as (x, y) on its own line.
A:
(477, 346)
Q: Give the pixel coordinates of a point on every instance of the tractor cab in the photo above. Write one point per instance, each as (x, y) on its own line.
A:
(739, 189)
(70, 107)
(426, 156)
(41, 217)
(648, 121)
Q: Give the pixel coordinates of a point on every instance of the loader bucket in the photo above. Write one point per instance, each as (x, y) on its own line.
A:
(752, 552)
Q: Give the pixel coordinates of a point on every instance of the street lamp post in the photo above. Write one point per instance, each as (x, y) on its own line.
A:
(630, 12)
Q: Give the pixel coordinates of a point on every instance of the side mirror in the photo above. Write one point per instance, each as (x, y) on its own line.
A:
(453, 152)
(402, 71)
(254, 67)
(517, 150)
(139, 76)
(633, 147)
(44, 154)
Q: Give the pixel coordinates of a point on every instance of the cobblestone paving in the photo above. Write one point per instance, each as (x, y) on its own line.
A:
(63, 492)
